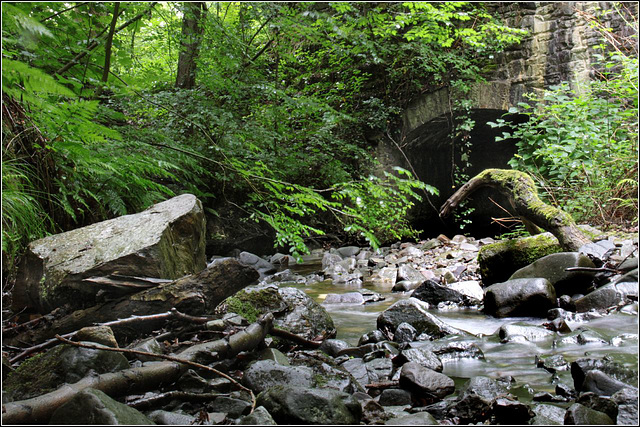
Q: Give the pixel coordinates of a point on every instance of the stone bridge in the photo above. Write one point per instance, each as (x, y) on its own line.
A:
(558, 47)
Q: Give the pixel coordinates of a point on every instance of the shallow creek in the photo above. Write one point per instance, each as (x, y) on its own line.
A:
(515, 359)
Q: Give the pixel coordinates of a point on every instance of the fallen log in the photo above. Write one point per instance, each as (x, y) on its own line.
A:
(521, 191)
(38, 410)
(195, 294)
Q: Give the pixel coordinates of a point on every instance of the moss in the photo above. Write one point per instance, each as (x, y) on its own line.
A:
(251, 303)
(35, 376)
(244, 309)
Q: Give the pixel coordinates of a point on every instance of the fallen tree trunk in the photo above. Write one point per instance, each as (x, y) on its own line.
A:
(38, 410)
(523, 195)
(195, 294)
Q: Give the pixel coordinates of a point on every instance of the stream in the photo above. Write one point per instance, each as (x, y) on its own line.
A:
(619, 333)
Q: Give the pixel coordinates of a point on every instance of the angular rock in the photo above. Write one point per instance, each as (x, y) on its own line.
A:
(166, 241)
(299, 405)
(580, 414)
(404, 333)
(405, 286)
(548, 414)
(470, 289)
(98, 334)
(407, 272)
(170, 418)
(509, 411)
(332, 347)
(598, 251)
(62, 364)
(329, 259)
(92, 406)
(580, 368)
(601, 384)
(348, 251)
(385, 277)
(414, 312)
(475, 399)
(508, 332)
(607, 296)
(259, 417)
(264, 374)
(394, 397)
(262, 266)
(627, 401)
(418, 379)
(520, 297)
(417, 419)
(234, 408)
(598, 403)
(553, 268)
(293, 309)
(447, 350)
(431, 292)
(421, 356)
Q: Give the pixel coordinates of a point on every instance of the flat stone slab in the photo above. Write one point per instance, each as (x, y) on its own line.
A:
(165, 241)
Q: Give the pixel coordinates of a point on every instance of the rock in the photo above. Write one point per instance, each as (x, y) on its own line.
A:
(332, 347)
(520, 297)
(418, 379)
(165, 241)
(404, 333)
(405, 286)
(262, 266)
(601, 384)
(234, 408)
(431, 292)
(470, 290)
(452, 350)
(149, 345)
(580, 368)
(627, 401)
(421, 356)
(607, 296)
(260, 416)
(344, 272)
(599, 403)
(346, 298)
(417, 419)
(552, 363)
(300, 405)
(348, 251)
(598, 251)
(414, 312)
(170, 418)
(282, 259)
(275, 355)
(498, 261)
(385, 277)
(407, 272)
(475, 399)
(580, 414)
(98, 334)
(395, 397)
(92, 406)
(374, 371)
(371, 337)
(264, 374)
(329, 259)
(45, 372)
(548, 414)
(326, 372)
(293, 309)
(553, 268)
(508, 332)
(509, 411)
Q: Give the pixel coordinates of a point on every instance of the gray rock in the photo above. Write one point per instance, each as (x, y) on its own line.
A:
(374, 371)
(420, 355)
(580, 414)
(300, 405)
(452, 350)
(165, 241)
(371, 337)
(346, 298)
(601, 384)
(62, 364)
(598, 250)
(275, 355)
(470, 289)
(394, 397)
(548, 414)
(520, 297)
(405, 286)
(385, 277)
(98, 334)
(599, 403)
(580, 368)
(259, 417)
(332, 347)
(264, 374)
(508, 332)
(417, 419)
(234, 408)
(607, 296)
(263, 266)
(414, 312)
(404, 333)
(149, 345)
(510, 411)
(348, 251)
(431, 292)
(92, 406)
(475, 399)
(407, 272)
(418, 379)
(170, 418)
(627, 401)
(553, 268)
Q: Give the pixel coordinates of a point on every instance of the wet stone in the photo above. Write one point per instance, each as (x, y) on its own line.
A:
(580, 414)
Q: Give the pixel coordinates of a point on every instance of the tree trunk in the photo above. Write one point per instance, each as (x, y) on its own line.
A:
(38, 410)
(192, 31)
(109, 43)
(195, 294)
(522, 193)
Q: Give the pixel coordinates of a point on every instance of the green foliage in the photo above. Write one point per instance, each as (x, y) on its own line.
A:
(581, 143)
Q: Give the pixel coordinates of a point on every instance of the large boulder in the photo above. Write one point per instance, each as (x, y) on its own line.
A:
(290, 404)
(520, 297)
(414, 312)
(293, 309)
(165, 241)
(554, 268)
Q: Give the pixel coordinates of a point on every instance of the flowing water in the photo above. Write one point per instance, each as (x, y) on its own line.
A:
(515, 359)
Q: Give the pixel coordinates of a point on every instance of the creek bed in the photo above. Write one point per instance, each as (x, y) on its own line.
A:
(515, 359)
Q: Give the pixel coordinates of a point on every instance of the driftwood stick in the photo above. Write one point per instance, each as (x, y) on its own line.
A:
(38, 410)
(523, 195)
(147, 402)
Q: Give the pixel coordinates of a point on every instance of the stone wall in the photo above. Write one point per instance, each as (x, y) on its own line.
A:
(560, 47)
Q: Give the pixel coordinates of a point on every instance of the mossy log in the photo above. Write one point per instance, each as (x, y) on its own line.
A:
(38, 410)
(196, 294)
(523, 195)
